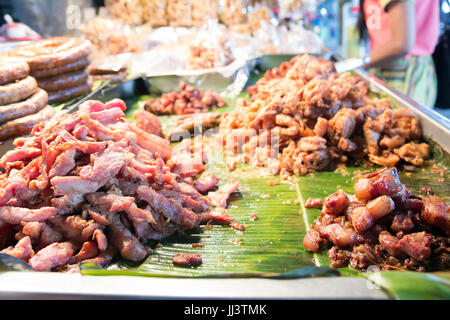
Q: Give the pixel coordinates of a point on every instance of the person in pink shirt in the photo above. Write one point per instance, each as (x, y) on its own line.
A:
(403, 35)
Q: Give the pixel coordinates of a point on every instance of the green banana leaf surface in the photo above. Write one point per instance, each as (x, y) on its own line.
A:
(271, 246)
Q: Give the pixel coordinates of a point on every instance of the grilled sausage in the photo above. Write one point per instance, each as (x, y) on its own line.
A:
(63, 81)
(76, 65)
(23, 126)
(12, 70)
(18, 90)
(67, 94)
(52, 52)
(21, 109)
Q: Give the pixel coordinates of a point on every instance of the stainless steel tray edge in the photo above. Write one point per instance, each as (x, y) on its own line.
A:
(47, 285)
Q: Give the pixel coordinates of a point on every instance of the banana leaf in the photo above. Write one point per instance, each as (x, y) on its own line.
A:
(273, 255)
(271, 246)
(399, 284)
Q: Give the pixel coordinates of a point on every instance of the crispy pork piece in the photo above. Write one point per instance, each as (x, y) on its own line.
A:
(414, 153)
(336, 203)
(362, 219)
(52, 256)
(416, 245)
(22, 250)
(314, 203)
(105, 257)
(194, 122)
(312, 240)
(437, 213)
(183, 259)
(148, 122)
(87, 251)
(128, 245)
(389, 243)
(340, 236)
(206, 182)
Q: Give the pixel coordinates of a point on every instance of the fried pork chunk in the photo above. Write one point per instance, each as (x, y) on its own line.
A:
(187, 101)
(314, 118)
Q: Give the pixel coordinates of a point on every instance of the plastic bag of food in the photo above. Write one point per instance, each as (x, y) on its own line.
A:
(202, 11)
(212, 47)
(258, 14)
(270, 37)
(128, 11)
(154, 12)
(290, 9)
(179, 13)
(111, 37)
(233, 12)
(298, 39)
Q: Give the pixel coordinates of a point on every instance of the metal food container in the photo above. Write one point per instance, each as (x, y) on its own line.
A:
(22, 284)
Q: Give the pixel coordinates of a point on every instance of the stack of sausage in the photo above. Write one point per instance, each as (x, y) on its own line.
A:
(22, 102)
(59, 64)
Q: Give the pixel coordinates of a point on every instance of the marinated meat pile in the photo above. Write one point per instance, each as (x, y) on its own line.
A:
(22, 103)
(303, 117)
(59, 65)
(383, 225)
(91, 185)
(188, 100)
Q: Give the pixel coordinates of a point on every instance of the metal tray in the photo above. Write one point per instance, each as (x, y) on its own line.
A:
(47, 285)
(434, 126)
